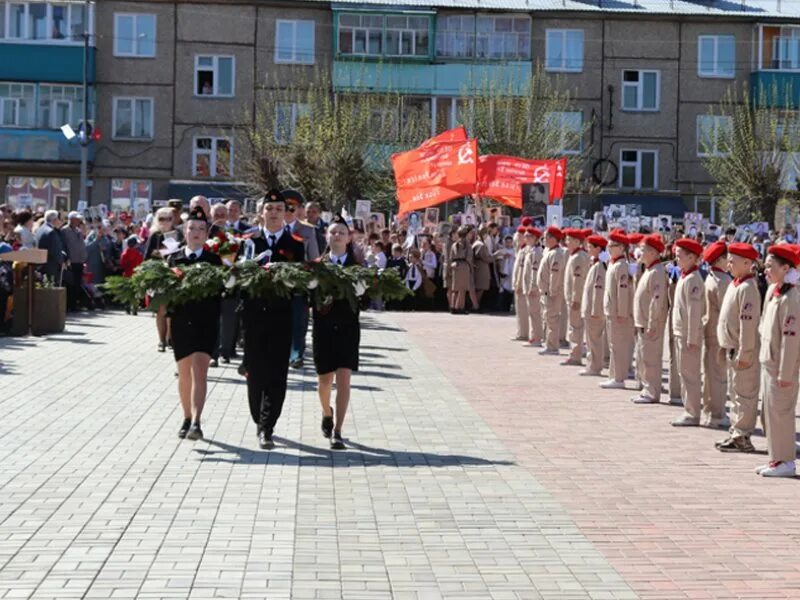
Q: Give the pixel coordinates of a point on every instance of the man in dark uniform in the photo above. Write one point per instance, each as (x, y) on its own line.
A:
(268, 323)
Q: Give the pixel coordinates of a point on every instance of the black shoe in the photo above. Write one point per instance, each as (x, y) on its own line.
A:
(214, 363)
(242, 370)
(337, 443)
(187, 423)
(195, 433)
(226, 360)
(265, 440)
(296, 363)
(162, 347)
(327, 425)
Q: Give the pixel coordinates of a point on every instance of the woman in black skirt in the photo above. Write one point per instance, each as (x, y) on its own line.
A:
(163, 227)
(194, 329)
(336, 334)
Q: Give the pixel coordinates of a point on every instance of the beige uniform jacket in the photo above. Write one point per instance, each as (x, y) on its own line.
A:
(618, 298)
(530, 271)
(575, 278)
(651, 301)
(780, 333)
(593, 290)
(689, 307)
(739, 318)
(550, 278)
(516, 274)
(716, 284)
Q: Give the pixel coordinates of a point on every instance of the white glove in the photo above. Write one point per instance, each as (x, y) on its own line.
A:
(633, 269)
(604, 256)
(792, 277)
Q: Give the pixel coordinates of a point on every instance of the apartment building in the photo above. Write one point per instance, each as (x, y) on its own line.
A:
(177, 80)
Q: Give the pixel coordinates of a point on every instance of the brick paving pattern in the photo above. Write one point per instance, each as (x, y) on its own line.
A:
(437, 497)
(675, 517)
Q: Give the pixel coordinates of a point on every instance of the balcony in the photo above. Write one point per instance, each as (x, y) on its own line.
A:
(450, 79)
(780, 89)
(39, 145)
(58, 63)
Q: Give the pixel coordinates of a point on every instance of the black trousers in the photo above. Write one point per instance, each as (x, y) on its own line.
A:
(267, 343)
(228, 328)
(74, 289)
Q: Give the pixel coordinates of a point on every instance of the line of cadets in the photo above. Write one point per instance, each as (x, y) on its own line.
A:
(616, 295)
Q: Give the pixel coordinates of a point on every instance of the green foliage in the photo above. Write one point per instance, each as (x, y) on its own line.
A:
(122, 290)
(279, 280)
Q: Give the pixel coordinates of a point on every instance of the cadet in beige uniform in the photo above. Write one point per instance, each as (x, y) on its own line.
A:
(650, 311)
(594, 318)
(520, 304)
(737, 334)
(780, 359)
(715, 376)
(550, 280)
(687, 325)
(530, 286)
(618, 308)
(574, 282)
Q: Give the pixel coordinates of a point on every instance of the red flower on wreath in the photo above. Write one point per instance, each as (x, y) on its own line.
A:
(286, 254)
(178, 272)
(206, 248)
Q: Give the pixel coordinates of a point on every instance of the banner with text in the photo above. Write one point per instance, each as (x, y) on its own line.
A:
(501, 177)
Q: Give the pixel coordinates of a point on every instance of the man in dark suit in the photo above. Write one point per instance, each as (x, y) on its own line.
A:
(50, 239)
(268, 323)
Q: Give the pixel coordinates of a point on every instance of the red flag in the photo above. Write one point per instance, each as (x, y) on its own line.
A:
(501, 177)
(459, 134)
(435, 172)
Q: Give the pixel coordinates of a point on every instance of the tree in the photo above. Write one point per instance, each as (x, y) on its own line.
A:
(749, 149)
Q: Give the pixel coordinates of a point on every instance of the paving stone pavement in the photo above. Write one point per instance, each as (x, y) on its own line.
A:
(675, 517)
(100, 499)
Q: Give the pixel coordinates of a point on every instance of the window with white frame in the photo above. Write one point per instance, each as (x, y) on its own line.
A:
(133, 118)
(294, 42)
(17, 105)
(455, 36)
(214, 76)
(568, 129)
(360, 34)
(716, 56)
(786, 49)
(134, 35)
(638, 169)
(43, 21)
(640, 90)
(407, 36)
(212, 157)
(60, 105)
(286, 117)
(564, 50)
(713, 135)
(503, 37)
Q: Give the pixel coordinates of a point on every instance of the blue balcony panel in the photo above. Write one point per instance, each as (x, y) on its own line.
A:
(450, 79)
(775, 88)
(57, 63)
(39, 145)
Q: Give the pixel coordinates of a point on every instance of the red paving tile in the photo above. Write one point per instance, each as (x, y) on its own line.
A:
(675, 517)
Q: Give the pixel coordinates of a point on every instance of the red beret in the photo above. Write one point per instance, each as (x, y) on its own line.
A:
(555, 232)
(526, 221)
(533, 231)
(786, 252)
(587, 232)
(618, 236)
(520, 229)
(714, 251)
(655, 242)
(690, 245)
(578, 234)
(635, 238)
(743, 250)
(597, 240)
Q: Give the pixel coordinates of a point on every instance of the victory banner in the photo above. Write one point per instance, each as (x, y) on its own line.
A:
(501, 177)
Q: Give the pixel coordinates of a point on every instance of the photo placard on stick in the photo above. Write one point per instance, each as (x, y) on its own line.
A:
(535, 198)
(377, 220)
(431, 217)
(363, 209)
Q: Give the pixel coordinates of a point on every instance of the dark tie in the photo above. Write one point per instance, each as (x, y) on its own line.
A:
(272, 240)
(192, 257)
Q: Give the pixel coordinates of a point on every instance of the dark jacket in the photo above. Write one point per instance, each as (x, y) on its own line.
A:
(53, 242)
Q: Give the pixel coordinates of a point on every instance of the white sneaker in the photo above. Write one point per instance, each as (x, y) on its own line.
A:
(676, 401)
(548, 352)
(718, 423)
(641, 399)
(588, 373)
(613, 384)
(761, 468)
(686, 420)
(781, 469)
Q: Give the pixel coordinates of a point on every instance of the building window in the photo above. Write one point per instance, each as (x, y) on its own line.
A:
(212, 157)
(716, 56)
(133, 118)
(455, 36)
(134, 35)
(60, 105)
(214, 76)
(786, 49)
(40, 21)
(638, 169)
(294, 42)
(360, 34)
(640, 90)
(504, 37)
(713, 135)
(37, 193)
(564, 50)
(286, 117)
(407, 36)
(569, 130)
(131, 195)
(17, 106)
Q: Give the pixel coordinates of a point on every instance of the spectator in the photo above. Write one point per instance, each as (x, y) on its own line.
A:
(24, 229)
(50, 238)
(76, 255)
